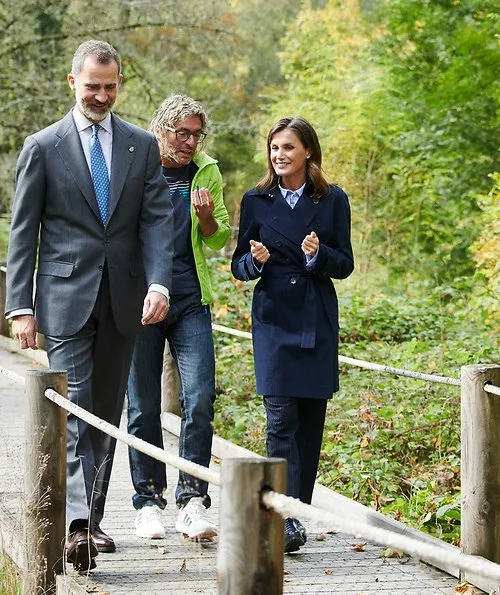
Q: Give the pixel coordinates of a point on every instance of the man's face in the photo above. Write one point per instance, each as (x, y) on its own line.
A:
(96, 88)
(180, 152)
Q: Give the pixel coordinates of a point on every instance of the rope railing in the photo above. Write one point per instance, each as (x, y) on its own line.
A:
(153, 451)
(287, 506)
(490, 388)
(12, 376)
(358, 362)
(198, 471)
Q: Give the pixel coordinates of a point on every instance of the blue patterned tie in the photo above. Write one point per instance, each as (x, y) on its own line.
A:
(100, 175)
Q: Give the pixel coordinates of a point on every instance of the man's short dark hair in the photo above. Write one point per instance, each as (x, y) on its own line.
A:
(101, 50)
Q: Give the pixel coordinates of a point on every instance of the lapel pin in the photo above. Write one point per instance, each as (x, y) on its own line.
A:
(131, 149)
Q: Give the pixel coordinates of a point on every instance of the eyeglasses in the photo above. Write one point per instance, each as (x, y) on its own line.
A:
(184, 135)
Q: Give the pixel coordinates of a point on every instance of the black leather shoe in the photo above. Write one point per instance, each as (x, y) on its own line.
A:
(301, 529)
(81, 550)
(294, 538)
(103, 542)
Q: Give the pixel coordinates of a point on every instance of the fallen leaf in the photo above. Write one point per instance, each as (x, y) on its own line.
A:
(183, 567)
(162, 549)
(320, 537)
(358, 547)
(328, 571)
(159, 571)
(392, 553)
(465, 588)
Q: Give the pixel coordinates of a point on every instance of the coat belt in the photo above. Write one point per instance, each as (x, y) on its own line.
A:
(310, 318)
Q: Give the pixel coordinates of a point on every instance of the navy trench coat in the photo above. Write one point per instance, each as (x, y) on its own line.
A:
(295, 310)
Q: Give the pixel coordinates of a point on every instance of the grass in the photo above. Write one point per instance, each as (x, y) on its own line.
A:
(10, 579)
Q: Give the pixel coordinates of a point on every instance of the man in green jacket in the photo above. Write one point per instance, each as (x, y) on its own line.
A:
(200, 218)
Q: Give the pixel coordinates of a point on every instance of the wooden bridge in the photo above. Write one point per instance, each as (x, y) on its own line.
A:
(329, 563)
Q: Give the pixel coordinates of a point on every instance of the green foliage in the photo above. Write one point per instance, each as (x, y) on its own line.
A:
(405, 97)
(486, 249)
(443, 91)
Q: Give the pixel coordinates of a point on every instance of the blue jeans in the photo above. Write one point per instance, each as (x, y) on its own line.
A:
(188, 329)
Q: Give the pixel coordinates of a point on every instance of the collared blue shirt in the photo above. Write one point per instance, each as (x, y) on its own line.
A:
(292, 196)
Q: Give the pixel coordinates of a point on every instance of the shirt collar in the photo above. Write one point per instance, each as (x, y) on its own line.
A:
(82, 123)
(285, 191)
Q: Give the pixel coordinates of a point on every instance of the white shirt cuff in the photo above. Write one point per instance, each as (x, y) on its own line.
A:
(160, 289)
(19, 312)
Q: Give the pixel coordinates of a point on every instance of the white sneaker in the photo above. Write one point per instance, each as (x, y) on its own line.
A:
(193, 521)
(148, 523)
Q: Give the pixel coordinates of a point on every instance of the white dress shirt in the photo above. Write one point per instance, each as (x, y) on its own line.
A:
(84, 127)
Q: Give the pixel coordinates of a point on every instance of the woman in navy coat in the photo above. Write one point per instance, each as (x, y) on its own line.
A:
(294, 236)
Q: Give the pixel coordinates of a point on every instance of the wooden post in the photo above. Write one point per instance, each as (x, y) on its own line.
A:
(45, 481)
(169, 384)
(480, 466)
(251, 538)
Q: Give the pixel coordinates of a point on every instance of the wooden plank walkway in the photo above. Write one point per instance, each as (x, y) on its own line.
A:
(327, 564)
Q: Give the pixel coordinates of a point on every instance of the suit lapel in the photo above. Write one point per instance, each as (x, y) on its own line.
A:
(307, 209)
(70, 150)
(121, 159)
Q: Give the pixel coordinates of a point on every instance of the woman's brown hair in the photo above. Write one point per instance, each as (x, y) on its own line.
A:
(309, 139)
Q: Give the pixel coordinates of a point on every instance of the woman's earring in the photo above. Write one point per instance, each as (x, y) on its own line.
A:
(308, 156)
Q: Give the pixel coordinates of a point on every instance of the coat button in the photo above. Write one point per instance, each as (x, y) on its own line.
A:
(316, 201)
(100, 267)
(293, 280)
(278, 244)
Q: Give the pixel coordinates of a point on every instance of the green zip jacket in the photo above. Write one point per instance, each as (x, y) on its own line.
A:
(208, 176)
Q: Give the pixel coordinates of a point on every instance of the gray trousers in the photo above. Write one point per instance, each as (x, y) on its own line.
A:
(97, 360)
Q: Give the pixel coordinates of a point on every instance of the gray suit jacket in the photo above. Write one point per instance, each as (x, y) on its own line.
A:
(55, 205)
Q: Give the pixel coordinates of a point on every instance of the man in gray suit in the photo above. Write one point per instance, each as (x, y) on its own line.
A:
(90, 187)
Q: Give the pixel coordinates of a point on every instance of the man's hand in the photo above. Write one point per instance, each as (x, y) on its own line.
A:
(259, 252)
(203, 205)
(155, 308)
(24, 330)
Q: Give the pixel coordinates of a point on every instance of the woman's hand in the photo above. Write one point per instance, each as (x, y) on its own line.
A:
(259, 252)
(310, 244)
